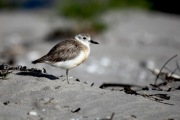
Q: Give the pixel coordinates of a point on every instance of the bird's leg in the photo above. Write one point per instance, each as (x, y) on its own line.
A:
(67, 76)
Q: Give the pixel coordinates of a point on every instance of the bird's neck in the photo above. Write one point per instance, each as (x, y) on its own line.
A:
(87, 44)
(86, 47)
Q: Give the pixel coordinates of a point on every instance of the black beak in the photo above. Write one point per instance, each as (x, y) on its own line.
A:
(94, 42)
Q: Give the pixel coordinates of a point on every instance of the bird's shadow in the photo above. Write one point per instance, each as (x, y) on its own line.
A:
(38, 74)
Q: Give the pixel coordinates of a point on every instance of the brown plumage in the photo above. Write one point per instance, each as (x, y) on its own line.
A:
(69, 53)
(59, 52)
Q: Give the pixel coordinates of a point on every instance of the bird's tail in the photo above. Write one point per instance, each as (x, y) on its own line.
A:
(40, 60)
(35, 61)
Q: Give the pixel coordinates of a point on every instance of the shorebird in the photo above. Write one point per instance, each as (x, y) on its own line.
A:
(68, 54)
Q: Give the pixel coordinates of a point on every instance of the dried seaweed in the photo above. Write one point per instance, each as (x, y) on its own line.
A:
(19, 68)
(106, 85)
(127, 89)
(158, 98)
(154, 97)
(167, 77)
(4, 72)
(23, 70)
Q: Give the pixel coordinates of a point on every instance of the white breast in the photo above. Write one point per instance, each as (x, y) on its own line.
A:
(71, 63)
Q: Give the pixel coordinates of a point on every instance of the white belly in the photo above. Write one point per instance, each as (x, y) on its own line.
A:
(71, 63)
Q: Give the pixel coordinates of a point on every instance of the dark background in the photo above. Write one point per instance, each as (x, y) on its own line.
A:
(167, 6)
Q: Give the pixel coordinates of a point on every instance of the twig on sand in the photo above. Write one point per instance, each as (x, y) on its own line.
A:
(154, 97)
(121, 85)
(158, 98)
(163, 68)
(177, 64)
(127, 89)
(105, 85)
(166, 77)
(76, 110)
(112, 115)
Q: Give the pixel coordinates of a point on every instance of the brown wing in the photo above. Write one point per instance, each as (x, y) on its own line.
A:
(65, 50)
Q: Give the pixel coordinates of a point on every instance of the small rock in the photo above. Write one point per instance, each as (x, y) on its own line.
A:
(33, 113)
(57, 87)
(6, 102)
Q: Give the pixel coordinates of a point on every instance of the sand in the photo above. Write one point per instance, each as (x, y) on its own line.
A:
(134, 41)
(28, 97)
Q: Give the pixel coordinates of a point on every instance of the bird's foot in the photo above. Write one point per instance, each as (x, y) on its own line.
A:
(68, 78)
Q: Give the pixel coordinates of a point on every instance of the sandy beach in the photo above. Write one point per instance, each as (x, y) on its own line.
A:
(133, 42)
(22, 96)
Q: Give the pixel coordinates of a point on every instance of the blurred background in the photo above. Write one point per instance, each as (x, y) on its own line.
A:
(133, 34)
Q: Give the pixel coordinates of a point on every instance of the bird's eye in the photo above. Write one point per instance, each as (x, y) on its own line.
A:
(84, 38)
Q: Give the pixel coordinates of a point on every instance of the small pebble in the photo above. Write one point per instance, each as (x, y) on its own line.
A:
(57, 87)
(6, 103)
(75, 119)
(33, 113)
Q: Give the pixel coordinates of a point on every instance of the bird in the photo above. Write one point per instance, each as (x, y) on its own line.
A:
(69, 53)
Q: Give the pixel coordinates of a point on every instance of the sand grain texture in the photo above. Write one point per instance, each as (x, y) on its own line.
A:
(133, 38)
(55, 100)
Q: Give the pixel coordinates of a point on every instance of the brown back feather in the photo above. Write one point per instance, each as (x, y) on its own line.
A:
(65, 50)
